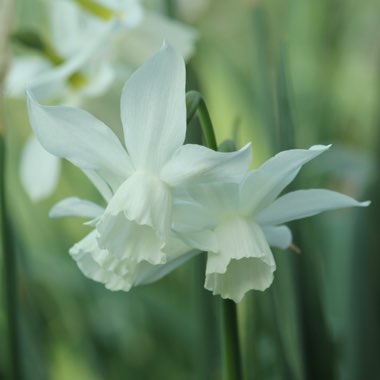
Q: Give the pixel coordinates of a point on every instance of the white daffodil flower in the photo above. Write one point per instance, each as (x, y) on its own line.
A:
(140, 32)
(71, 66)
(85, 54)
(237, 223)
(98, 265)
(138, 182)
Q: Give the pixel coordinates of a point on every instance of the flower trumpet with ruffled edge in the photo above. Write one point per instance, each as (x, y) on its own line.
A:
(137, 183)
(237, 223)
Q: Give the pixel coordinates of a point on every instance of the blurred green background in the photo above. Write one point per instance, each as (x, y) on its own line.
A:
(282, 74)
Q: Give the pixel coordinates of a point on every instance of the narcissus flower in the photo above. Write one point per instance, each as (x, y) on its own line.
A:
(237, 223)
(137, 182)
(90, 45)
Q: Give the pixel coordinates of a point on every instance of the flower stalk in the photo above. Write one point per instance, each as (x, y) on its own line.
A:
(231, 347)
(232, 361)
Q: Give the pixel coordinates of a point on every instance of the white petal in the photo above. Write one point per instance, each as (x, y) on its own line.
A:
(128, 241)
(263, 185)
(39, 170)
(278, 236)
(22, 72)
(101, 185)
(192, 216)
(148, 273)
(54, 82)
(66, 27)
(244, 260)
(84, 253)
(192, 223)
(100, 78)
(304, 203)
(147, 38)
(76, 207)
(95, 263)
(82, 139)
(219, 202)
(153, 110)
(237, 238)
(203, 240)
(145, 200)
(242, 275)
(193, 164)
(136, 222)
(177, 253)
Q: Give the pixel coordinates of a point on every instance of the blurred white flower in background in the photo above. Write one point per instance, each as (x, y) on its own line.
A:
(91, 45)
(138, 184)
(237, 223)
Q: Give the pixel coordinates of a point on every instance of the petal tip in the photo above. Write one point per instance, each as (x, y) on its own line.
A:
(320, 147)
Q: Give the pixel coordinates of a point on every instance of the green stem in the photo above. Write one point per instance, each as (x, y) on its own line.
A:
(232, 361)
(10, 280)
(194, 103)
(232, 357)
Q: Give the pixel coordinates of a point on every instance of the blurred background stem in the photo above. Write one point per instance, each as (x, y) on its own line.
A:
(10, 277)
(9, 259)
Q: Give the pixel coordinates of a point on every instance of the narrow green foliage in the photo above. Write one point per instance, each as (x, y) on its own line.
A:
(193, 98)
(9, 277)
(194, 103)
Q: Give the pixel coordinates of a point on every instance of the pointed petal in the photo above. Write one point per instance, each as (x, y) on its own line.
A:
(76, 207)
(128, 241)
(278, 236)
(193, 164)
(153, 110)
(39, 170)
(81, 138)
(304, 203)
(84, 253)
(244, 260)
(263, 185)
